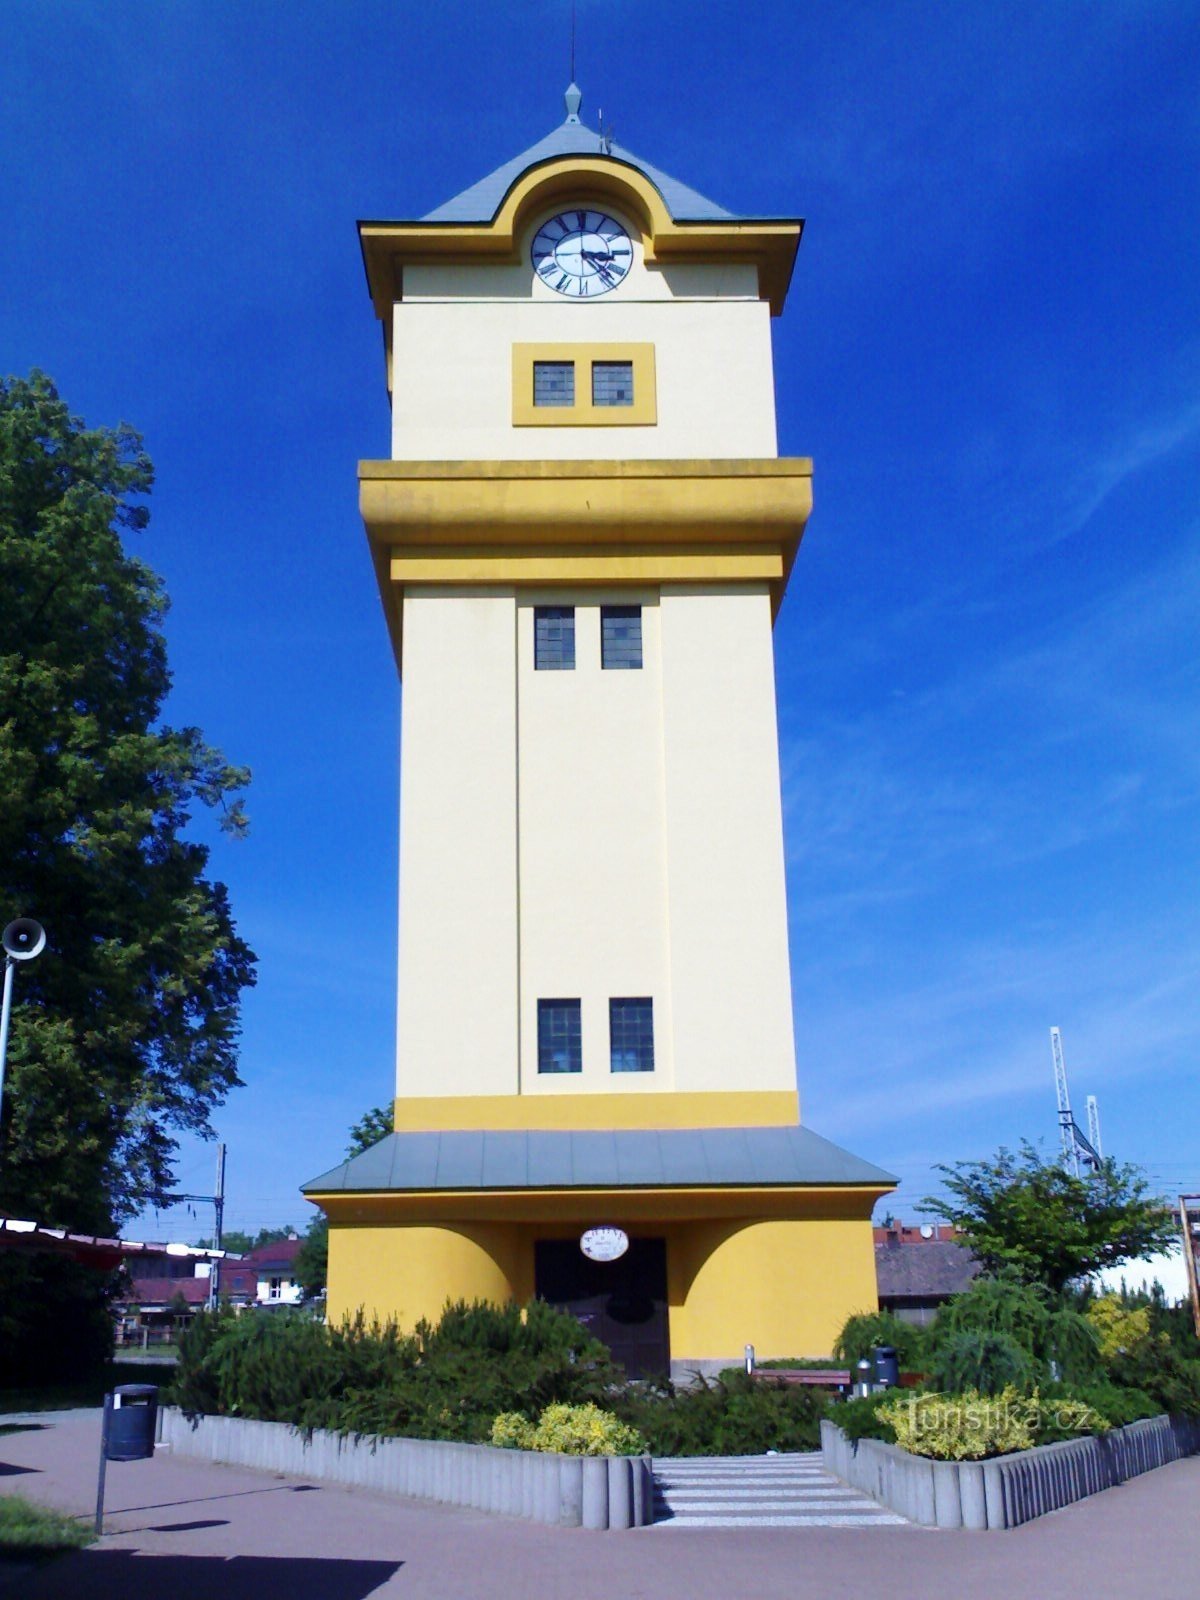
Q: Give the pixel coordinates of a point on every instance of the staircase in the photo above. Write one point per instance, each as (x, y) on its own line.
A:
(779, 1491)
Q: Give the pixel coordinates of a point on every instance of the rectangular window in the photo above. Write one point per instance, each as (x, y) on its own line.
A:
(620, 637)
(554, 638)
(584, 385)
(631, 1035)
(612, 383)
(554, 383)
(560, 1036)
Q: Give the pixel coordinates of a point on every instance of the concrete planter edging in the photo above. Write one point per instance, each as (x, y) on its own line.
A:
(1007, 1490)
(564, 1491)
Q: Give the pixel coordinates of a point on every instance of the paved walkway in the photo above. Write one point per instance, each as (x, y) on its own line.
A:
(182, 1530)
(780, 1491)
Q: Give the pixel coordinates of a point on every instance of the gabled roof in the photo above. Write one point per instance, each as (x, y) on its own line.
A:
(278, 1255)
(162, 1291)
(930, 1270)
(665, 1158)
(482, 200)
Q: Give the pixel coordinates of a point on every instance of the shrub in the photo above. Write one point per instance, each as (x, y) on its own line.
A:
(1118, 1406)
(1059, 1342)
(964, 1427)
(1169, 1378)
(862, 1332)
(570, 1431)
(512, 1431)
(862, 1418)
(1120, 1329)
(446, 1380)
(971, 1426)
(729, 1415)
(980, 1360)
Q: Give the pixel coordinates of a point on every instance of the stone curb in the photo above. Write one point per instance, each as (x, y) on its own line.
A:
(600, 1492)
(1007, 1490)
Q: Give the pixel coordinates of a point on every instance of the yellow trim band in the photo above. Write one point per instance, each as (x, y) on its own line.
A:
(550, 522)
(559, 1206)
(583, 566)
(757, 1108)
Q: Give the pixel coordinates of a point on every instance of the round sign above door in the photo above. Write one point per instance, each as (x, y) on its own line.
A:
(604, 1244)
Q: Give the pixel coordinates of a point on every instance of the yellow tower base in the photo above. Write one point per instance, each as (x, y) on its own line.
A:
(779, 1270)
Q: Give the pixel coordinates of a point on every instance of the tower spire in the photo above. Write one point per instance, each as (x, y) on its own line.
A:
(573, 99)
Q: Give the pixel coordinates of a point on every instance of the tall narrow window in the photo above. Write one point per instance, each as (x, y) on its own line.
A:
(631, 1035)
(554, 638)
(620, 637)
(612, 383)
(554, 383)
(560, 1036)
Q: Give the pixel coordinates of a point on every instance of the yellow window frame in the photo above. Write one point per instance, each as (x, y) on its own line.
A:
(583, 414)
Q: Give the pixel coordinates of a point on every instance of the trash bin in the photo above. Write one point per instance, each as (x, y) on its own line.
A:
(131, 1422)
(887, 1366)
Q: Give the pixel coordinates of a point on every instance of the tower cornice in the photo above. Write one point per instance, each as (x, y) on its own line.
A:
(770, 244)
(598, 523)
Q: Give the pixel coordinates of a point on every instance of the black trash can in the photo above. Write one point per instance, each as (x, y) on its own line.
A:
(131, 1422)
(887, 1366)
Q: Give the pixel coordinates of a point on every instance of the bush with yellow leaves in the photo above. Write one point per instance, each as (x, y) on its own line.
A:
(1121, 1329)
(584, 1430)
(971, 1426)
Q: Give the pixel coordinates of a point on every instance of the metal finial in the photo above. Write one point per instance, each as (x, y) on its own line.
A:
(573, 99)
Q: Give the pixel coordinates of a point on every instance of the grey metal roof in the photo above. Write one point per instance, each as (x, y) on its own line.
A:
(708, 1157)
(482, 200)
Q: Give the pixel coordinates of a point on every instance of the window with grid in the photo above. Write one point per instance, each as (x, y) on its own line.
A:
(620, 637)
(554, 383)
(554, 638)
(560, 1036)
(631, 1035)
(612, 383)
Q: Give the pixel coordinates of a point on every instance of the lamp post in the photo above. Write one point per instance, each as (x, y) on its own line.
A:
(22, 940)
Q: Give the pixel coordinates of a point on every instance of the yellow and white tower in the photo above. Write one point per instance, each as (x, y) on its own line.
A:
(581, 540)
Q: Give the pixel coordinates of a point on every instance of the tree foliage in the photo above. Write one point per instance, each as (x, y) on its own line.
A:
(312, 1258)
(1050, 1227)
(240, 1243)
(126, 1027)
(370, 1128)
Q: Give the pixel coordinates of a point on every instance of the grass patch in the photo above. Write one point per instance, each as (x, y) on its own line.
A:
(29, 1532)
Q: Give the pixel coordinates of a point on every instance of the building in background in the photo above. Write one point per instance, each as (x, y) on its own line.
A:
(917, 1269)
(581, 540)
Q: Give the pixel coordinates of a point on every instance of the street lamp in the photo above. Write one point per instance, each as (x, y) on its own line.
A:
(22, 940)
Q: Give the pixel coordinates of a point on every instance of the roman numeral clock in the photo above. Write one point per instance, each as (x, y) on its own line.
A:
(581, 253)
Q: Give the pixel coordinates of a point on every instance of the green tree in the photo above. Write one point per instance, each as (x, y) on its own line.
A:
(370, 1128)
(1049, 1227)
(238, 1242)
(312, 1259)
(126, 1028)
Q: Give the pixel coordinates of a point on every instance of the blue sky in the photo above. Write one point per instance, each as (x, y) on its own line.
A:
(987, 661)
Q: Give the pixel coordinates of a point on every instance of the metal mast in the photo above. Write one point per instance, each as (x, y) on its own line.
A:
(1066, 1122)
(1076, 1148)
(1093, 1116)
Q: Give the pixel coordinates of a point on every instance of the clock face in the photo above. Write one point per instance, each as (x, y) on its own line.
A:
(581, 253)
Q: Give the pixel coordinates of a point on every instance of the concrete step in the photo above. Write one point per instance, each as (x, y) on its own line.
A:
(779, 1491)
